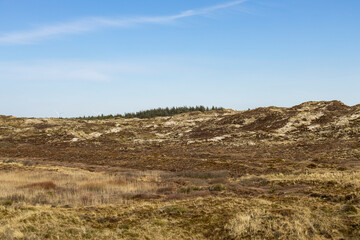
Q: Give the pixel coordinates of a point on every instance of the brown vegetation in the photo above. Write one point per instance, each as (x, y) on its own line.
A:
(267, 173)
(43, 185)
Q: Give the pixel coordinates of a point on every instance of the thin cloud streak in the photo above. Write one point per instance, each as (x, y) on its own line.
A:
(72, 70)
(90, 24)
(130, 71)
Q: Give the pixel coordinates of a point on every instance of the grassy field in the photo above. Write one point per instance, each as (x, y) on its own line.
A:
(48, 202)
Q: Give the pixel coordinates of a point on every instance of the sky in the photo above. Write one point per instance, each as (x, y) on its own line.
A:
(73, 58)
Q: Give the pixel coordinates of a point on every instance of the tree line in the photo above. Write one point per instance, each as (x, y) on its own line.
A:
(151, 113)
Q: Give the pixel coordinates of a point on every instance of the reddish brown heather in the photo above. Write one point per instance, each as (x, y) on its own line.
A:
(43, 185)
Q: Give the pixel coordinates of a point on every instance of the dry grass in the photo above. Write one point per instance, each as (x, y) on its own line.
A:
(44, 202)
(340, 177)
(205, 218)
(265, 219)
(74, 187)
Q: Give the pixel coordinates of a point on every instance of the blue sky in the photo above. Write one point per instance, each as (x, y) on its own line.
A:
(89, 57)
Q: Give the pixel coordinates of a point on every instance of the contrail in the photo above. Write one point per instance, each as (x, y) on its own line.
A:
(91, 24)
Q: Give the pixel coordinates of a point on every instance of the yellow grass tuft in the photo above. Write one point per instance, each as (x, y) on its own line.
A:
(74, 187)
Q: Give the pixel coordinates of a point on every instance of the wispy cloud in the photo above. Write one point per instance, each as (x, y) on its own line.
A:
(73, 70)
(90, 24)
(150, 69)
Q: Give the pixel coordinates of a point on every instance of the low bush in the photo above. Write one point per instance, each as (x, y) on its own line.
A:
(43, 185)
(217, 187)
(203, 175)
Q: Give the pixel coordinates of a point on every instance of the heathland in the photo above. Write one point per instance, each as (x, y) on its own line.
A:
(265, 173)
